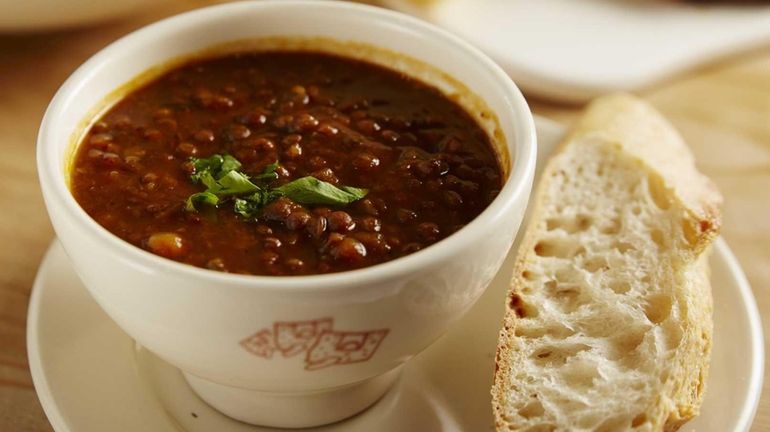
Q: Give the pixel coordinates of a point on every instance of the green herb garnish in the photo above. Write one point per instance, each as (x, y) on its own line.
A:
(251, 206)
(310, 190)
(223, 180)
(214, 166)
(201, 198)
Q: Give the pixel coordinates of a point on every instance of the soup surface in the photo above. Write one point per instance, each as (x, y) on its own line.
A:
(284, 163)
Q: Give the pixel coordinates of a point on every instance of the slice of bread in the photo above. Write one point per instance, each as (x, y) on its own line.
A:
(608, 322)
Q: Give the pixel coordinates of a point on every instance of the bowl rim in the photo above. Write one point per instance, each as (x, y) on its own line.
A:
(516, 187)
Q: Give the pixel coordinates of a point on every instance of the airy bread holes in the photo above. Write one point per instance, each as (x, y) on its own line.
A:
(584, 222)
(612, 227)
(595, 263)
(639, 420)
(552, 224)
(555, 356)
(580, 374)
(690, 232)
(521, 308)
(569, 225)
(657, 308)
(624, 345)
(658, 194)
(538, 331)
(533, 409)
(619, 286)
(558, 248)
(658, 238)
(673, 335)
(623, 247)
(566, 294)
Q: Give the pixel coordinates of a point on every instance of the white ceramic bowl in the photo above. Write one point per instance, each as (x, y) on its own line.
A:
(305, 350)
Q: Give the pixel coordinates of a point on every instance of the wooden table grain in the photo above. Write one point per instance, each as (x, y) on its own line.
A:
(722, 110)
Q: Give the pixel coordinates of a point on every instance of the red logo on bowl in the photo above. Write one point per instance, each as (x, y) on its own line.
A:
(337, 348)
(323, 346)
(260, 344)
(292, 338)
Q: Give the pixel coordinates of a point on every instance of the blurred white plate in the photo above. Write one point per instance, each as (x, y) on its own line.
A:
(90, 376)
(573, 50)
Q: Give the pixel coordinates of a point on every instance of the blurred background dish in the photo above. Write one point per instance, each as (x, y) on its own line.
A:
(41, 15)
(573, 50)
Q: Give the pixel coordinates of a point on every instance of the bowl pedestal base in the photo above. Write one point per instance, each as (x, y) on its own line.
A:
(293, 410)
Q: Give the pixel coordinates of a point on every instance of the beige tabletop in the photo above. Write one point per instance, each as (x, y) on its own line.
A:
(723, 111)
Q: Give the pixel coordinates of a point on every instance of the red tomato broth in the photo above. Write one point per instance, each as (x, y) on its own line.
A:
(429, 167)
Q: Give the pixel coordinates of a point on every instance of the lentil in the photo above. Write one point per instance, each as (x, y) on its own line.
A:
(429, 168)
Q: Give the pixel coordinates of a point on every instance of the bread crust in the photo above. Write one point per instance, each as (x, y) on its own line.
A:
(642, 134)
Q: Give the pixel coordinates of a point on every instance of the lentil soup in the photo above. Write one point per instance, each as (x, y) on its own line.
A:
(284, 163)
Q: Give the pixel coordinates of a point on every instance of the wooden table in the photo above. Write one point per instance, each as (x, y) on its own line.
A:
(723, 111)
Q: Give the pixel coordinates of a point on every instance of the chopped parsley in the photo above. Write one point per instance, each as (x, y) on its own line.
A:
(249, 195)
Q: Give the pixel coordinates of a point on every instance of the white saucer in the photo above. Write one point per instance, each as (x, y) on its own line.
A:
(577, 49)
(91, 377)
